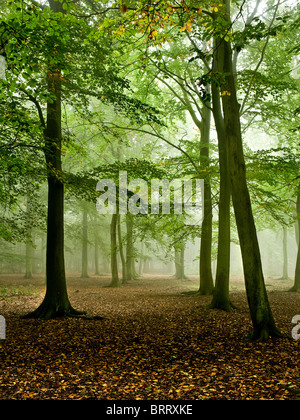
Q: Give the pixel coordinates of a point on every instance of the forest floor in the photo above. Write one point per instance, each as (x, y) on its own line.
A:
(155, 343)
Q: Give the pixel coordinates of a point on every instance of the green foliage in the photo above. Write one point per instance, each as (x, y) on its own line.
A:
(10, 293)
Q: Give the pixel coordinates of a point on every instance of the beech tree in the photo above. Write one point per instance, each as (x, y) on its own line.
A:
(45, 65)
(217, 21)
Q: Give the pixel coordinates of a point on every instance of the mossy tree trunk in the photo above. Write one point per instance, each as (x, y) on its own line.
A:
(56, 302)
(221, 291)
(121, 249)
(260, 311)
(179, 262)
(129, 248)
(115, 282)
(285, 267)
(96, 253)
(84, 243)
(205, 270)
(296, 286)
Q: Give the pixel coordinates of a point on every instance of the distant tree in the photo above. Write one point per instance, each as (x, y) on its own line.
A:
(115, 282)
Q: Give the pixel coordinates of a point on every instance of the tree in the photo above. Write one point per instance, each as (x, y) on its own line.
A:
(221, 291)
(46, 43)
(84, 255)
(296, 286)
(261, 315)
(56, 301)
(121, 249)
(115, 282)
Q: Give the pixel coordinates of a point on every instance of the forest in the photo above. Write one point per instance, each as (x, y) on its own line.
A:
(149, 199)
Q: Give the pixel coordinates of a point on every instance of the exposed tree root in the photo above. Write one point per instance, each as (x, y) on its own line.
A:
(294, 289)
(49, 311)
(226, 306)
(263, 334)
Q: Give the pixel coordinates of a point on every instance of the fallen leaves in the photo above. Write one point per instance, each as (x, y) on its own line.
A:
(154, 344)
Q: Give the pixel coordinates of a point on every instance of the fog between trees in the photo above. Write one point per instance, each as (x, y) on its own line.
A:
(162, 91)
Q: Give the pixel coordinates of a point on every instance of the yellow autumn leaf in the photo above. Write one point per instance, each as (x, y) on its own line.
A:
(123, 8)
(183, 29)
(188, 28)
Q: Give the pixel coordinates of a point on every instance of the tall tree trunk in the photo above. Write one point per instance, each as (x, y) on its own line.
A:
(206, 285)
(28, 245)
(56, 302)
(205, 270)
(179, 262)
(296, 286)
(121, 249)
(221, 292)
(84, 244)
(141, 261)
(28, 258)
(96, 255)
(42, 257)
(129, 248)
(260, 311)
(115, 282)
(285, 268)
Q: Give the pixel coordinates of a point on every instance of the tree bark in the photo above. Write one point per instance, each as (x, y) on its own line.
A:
(285, 268)
(56, 302)
(96, 254)
(129, 248)
(141, 260)
(205, 270)
(121, 249)
(29, 242)
(221, 292)
(115, 282)
(260, 311)
(296, 286)
(179, 263)
(84, 244)
(28, 257)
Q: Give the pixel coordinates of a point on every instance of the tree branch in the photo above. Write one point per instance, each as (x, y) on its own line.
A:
(261, 58)
(156, 134)
(37, 105)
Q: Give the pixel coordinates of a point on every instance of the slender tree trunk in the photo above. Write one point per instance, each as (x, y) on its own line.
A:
(84, 244)
(205, 270)
(141, 261)
(182, 267)
(28, 257)
(28, 245)
(129, 248)
(96, 255)
(121, 249)
(296, 286)
(285, 268)
(179, 263)
(221, 292)
(260, 311)
(43, 263)
(115, 282)
(56, 302)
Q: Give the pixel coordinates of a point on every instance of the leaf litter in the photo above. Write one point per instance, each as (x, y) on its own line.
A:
(154, 343)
